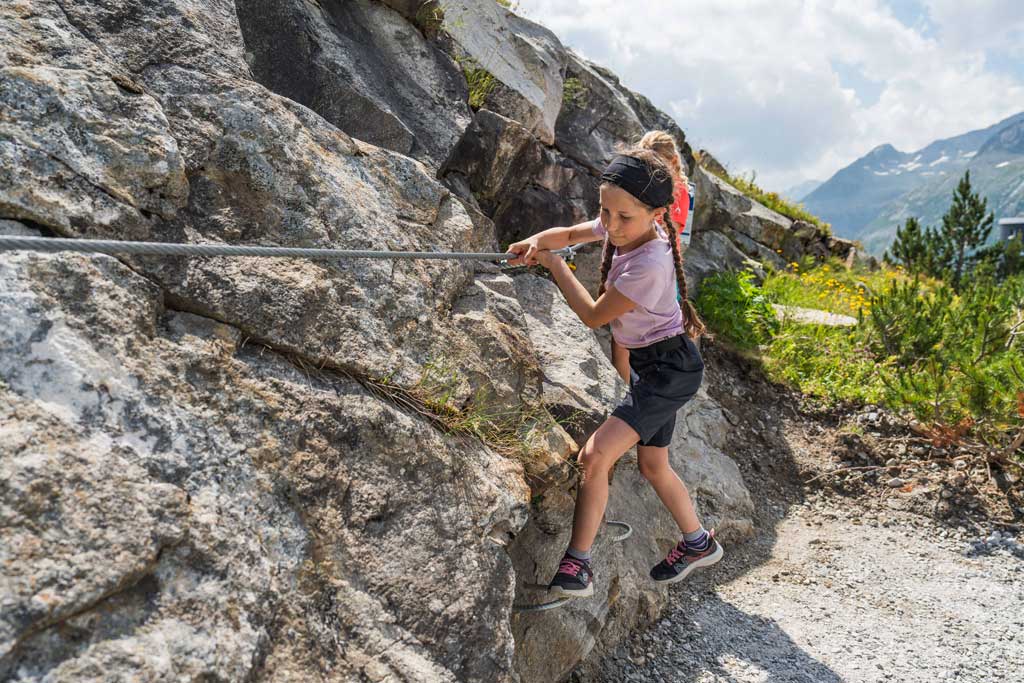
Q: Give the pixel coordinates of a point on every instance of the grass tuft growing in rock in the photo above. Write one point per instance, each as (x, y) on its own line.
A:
(480, 81)
(574, 92)
(429, 18)
(516, 432)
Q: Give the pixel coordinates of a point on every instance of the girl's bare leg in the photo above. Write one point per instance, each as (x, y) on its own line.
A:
(598, 456)
(620, 359)
(654, 467)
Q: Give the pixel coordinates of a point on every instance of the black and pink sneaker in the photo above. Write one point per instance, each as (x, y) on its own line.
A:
(574, 579)
(682, 560)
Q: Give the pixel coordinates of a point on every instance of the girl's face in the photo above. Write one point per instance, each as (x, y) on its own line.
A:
(626, 218)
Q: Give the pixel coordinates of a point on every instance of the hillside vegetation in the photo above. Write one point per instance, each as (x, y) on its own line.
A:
(940, 335)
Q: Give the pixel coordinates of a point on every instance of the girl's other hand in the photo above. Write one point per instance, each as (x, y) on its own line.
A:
(526, 251)
(547, 258)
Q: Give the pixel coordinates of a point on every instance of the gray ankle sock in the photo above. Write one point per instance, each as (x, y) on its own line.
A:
(578, 554)
(696, 539)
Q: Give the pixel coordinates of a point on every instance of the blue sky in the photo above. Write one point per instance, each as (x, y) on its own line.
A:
(797, 89)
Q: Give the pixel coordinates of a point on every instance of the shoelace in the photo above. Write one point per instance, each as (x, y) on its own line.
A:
(674, 554)
(570, 566)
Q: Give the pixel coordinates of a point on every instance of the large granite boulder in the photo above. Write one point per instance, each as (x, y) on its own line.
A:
(579, 386)
(256, 168)
(184, 503)
(756, 230)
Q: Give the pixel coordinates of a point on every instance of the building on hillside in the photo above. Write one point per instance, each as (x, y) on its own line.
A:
(1011, 227)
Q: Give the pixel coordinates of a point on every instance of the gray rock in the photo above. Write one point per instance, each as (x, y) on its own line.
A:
(260, 169)
(712, 252)
(525, 186)
(76, 148)
(137, 35)
(599, 116)
(364, 68)
(580, 388)
(286, 536)
(525, 59)
(711, 164)
(757, 231)
(104, 521)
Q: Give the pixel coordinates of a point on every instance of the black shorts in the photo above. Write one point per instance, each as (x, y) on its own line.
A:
(662, 378)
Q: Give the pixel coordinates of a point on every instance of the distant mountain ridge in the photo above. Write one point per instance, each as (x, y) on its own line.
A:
(801, 190)
(871, 197)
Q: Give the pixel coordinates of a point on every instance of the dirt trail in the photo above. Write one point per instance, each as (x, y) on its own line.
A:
(831, 598)
(850, 584)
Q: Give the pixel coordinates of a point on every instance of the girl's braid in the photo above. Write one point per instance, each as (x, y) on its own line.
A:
(606, 263)
(694, 326)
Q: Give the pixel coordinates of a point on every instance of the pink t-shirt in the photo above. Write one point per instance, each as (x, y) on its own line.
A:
(646, 276)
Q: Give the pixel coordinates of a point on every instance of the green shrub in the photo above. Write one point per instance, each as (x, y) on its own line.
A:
(828, 362)
(736, 308)
(954, 361)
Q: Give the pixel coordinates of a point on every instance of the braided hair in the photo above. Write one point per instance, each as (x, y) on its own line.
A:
(692, 323)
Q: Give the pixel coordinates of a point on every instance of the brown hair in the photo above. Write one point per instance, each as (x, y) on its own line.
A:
(692, 323)
(664, 145)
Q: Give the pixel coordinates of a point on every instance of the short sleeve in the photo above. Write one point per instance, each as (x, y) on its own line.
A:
(599, 230)
(642, 282)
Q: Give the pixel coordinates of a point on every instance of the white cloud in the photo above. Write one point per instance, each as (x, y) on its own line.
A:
(754, 81)
(978, 24)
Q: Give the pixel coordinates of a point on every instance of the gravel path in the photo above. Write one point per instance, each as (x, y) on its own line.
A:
(813, 316)
(827, 596)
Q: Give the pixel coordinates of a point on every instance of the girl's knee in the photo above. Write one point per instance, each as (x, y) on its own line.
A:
(653, 462)
(594, 461)
(654, 468)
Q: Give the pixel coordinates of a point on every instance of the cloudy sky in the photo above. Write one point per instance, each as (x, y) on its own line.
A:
(797, 89)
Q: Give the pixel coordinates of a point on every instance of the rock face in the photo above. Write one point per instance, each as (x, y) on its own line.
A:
(525, 186)
(246, 469)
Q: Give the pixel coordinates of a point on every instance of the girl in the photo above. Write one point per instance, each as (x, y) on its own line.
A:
(639, 274)
(664, 145)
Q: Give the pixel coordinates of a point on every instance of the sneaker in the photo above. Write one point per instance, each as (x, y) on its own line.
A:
(574, 579)
(682, 560)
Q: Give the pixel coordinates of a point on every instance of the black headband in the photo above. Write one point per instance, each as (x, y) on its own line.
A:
(636, 177)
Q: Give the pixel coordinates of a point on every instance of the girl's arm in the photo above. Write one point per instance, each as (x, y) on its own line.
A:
(551, 239)
(611, 305)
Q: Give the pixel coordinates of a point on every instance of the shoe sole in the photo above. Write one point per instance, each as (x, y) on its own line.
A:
(706, 561)
(559, 592)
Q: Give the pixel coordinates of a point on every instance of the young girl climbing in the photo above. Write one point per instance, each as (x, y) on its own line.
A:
(640, 272)
(664, 145)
